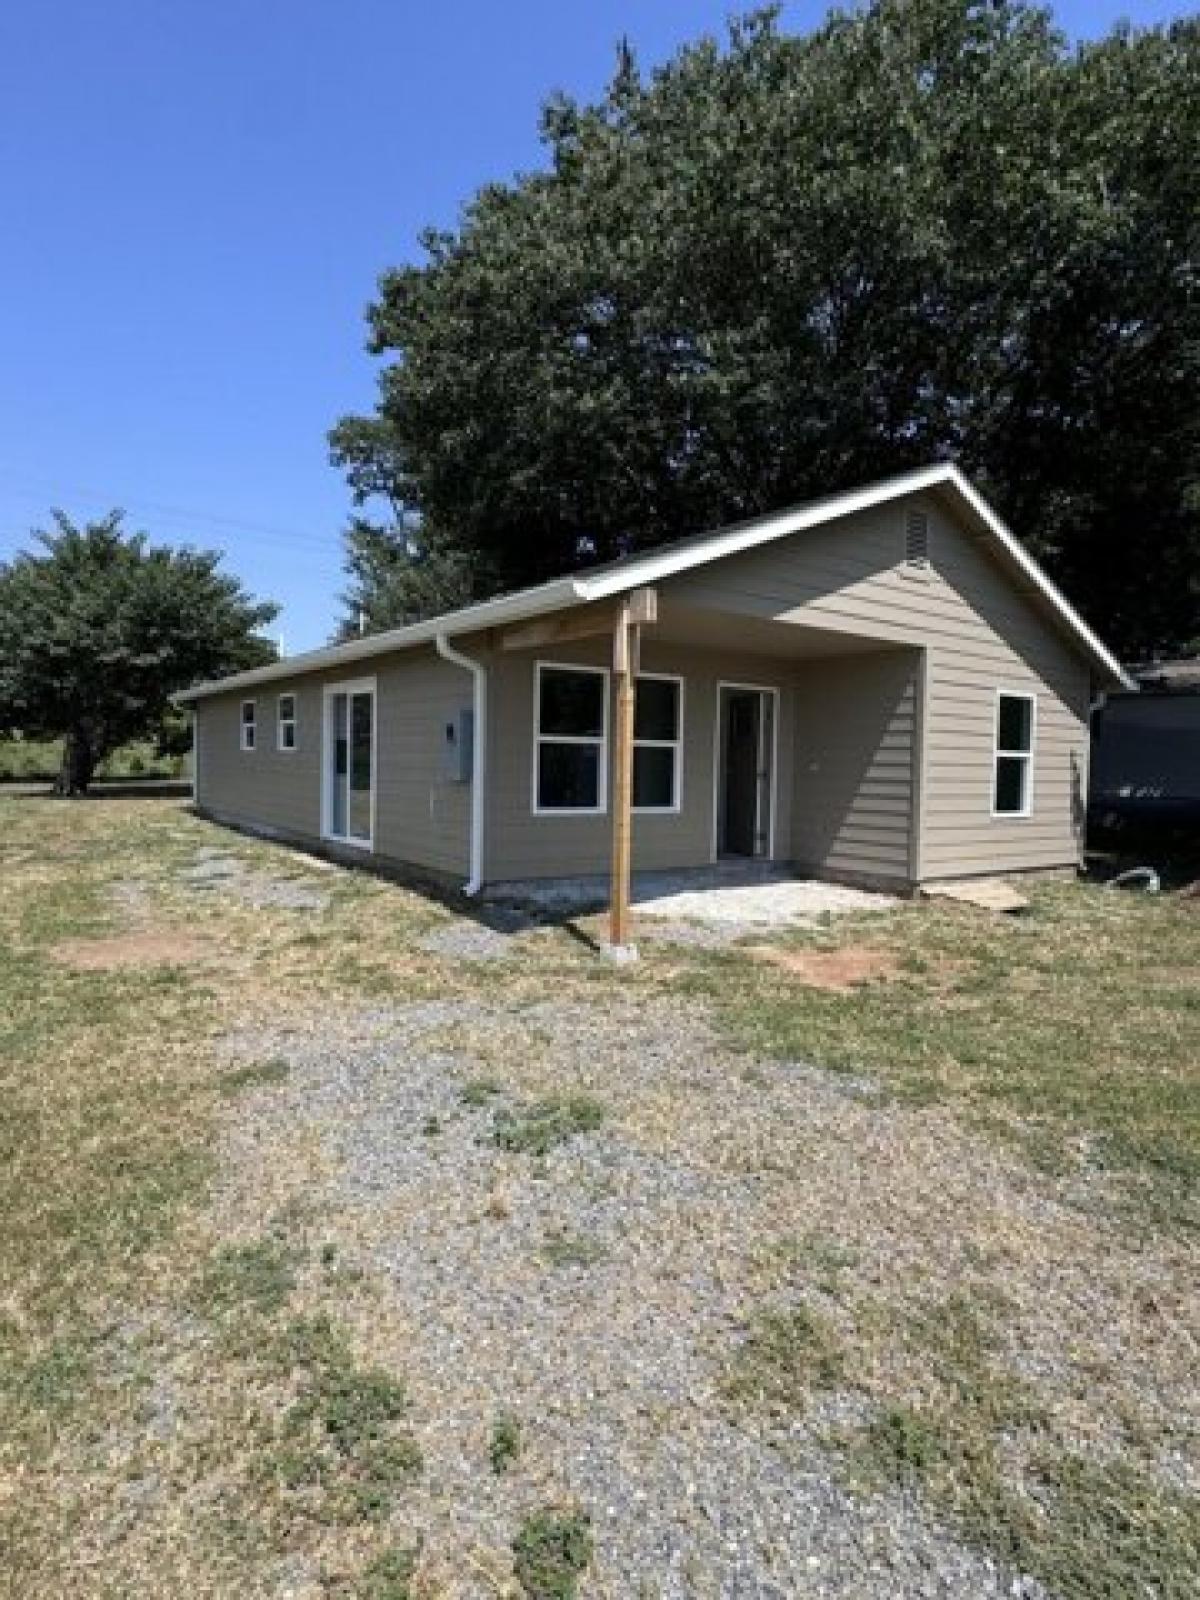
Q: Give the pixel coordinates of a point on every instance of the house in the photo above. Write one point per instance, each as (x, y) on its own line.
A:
(881, 687)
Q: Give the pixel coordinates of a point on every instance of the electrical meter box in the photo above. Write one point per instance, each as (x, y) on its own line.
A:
(458, 746)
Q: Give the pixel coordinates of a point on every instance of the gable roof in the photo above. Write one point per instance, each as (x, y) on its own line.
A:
(632, 572)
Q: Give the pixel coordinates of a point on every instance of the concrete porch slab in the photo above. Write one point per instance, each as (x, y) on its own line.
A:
(730, 895)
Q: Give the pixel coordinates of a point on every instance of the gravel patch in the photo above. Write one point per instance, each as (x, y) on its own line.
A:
(218, 870)
(489, 934)
(613, 1355)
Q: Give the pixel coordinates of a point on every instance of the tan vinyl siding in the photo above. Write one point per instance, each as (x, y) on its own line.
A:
(854, 779)
(520, 844)
(981, 632)
(421, 818)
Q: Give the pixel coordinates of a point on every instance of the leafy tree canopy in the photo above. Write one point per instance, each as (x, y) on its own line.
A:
(98, 629)
(771, 269)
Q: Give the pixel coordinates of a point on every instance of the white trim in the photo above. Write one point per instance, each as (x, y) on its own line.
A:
(601, 739)
(675, 745)
(625, 575)
(478, 673)
(349, 686)
(195, 715)
(1027, 756)
(250, 727)
(281, 722)
(718, 755)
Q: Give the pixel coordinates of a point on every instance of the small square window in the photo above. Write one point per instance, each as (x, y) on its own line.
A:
(287, 722)
(571, 704)
(568, 777)
(249, 724)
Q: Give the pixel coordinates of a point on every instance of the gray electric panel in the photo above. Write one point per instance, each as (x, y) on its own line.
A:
(458, 747)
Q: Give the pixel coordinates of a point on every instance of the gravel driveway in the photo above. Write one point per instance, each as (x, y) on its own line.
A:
(599, 1292)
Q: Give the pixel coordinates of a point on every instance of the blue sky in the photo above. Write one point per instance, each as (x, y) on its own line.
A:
(198, 196)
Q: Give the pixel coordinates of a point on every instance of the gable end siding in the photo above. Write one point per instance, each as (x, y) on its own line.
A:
(981, 633)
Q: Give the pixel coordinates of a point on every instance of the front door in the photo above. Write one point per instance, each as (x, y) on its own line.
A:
(349, 756)
(745, 776)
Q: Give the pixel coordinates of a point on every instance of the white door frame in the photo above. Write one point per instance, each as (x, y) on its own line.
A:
(348, 687)
(761, 689)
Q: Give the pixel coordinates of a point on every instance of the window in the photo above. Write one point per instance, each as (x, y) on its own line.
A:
(249, 713)
(1012, 785)
(657, 743)
(570, 739)
(287, 722)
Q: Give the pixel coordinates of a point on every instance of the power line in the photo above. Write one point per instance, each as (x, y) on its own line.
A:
(137, 505)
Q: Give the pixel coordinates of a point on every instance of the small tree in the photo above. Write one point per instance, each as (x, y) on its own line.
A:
(98, 629)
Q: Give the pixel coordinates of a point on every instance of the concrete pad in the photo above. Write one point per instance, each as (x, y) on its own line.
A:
(767, 905)
(728, 896)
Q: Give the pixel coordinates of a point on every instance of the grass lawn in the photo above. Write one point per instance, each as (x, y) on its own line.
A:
(962, 1256)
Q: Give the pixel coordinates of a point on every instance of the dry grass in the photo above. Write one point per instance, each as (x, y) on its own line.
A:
(988, 1244)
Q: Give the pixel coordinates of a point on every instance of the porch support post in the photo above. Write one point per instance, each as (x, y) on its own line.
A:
(624, 666)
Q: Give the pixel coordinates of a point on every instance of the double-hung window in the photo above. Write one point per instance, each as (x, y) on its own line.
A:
(249, 724)
(657, 743)
(286, 722)
(1012, 775)
(570, 748)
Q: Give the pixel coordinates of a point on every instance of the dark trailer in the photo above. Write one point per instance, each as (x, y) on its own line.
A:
(1145, 770)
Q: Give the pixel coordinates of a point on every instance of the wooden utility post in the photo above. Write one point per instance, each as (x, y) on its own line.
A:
(623, 622)
(624, 668)
(637, 608)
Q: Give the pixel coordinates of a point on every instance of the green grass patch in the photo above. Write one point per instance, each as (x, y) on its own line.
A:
(256, 1075)
(551, 1552)
(389, 1576)
(563, 1249)
(478, 1091)
(504, 1445)
(785, 1357)
(255, 1277)
(537, 1129)
(1081, 1017)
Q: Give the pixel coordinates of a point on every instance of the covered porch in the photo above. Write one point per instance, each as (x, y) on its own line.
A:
(723, 753)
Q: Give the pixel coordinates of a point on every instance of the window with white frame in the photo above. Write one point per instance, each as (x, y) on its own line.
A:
(657, 743)
(249, 723)
(570, 750)
(1012, 779)
(287, 722)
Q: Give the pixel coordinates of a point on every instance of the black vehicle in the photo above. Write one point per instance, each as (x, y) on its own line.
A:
(1145, 767)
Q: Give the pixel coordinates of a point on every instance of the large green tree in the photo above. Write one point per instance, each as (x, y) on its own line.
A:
(98, 629)
(928, 229)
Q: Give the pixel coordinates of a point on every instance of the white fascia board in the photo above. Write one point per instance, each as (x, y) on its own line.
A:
(561, 593)
(1049, 590)
(733, 541)
(748, 536)
(518, 607)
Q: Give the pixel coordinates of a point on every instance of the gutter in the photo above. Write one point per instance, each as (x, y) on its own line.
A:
(478, 756)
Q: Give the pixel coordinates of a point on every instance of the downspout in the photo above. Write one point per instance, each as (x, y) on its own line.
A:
(478, 756)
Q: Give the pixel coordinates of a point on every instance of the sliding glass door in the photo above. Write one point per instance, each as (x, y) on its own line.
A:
(349, 757)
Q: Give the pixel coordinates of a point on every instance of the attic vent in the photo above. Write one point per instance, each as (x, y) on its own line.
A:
(916, 538)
